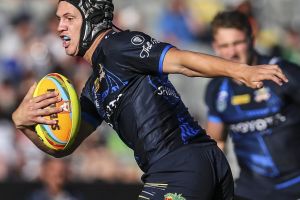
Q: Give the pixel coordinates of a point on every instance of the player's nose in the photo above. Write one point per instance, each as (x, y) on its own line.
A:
(231, 52)
(61, 26)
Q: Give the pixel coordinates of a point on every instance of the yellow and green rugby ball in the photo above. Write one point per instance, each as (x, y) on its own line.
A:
(61, 135)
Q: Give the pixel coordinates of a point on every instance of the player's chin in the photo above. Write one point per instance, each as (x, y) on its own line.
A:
(70, 52)
(236, 59)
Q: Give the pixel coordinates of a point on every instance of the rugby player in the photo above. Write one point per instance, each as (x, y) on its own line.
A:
(129, 89)
(263, 123)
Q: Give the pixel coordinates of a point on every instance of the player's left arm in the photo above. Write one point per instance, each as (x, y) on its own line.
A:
(195, 64)
(30, 113)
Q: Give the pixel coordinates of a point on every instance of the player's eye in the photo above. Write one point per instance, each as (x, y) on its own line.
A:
(239, 42)
(223, 46)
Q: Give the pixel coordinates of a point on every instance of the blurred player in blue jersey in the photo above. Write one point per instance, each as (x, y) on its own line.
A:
(264, 123)
(129, 89)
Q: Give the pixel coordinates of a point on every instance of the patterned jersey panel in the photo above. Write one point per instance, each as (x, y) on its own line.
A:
(133, 95)
(89, 112)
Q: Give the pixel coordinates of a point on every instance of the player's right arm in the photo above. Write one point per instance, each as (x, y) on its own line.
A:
(31, 111)
(215, 125)
(194, 64)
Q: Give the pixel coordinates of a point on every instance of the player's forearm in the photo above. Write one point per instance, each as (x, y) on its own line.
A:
(32, 135)
(29, 132)
(197, 64)
(210, 66)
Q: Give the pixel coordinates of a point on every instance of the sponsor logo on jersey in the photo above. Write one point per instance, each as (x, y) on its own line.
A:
(240, 99)
(112, 106)
(137, 40)
(174, 196)
(222, 101)
(145, 53)
(258, 124)
(262, 94)
(163, 90)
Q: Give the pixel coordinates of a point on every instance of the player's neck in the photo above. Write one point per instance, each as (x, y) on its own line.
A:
(89, 53)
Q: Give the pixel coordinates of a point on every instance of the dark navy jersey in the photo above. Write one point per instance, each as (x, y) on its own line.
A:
(264, 123)
(130, 92)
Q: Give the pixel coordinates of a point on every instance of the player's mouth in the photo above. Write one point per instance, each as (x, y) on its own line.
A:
(66, 40)
(235, 58)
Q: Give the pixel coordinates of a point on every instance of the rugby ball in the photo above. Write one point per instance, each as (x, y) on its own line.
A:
(61, 135)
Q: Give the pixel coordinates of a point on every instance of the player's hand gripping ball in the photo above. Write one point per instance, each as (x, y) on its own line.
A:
(61, 135)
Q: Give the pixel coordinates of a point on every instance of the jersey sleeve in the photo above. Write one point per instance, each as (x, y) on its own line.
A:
(139, 53)
(88, 109)
(292, 71)
(210, 98)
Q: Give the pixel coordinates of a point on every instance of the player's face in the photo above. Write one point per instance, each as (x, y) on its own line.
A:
(70, 22)
(232, 44)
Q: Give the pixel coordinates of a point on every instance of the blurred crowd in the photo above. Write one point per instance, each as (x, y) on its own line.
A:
(30, 48)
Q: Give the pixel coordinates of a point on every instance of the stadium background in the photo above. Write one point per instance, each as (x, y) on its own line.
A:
(102, 168)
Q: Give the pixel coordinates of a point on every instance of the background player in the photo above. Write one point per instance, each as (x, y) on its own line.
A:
(130, 90)
(54, 176)
(263, 123)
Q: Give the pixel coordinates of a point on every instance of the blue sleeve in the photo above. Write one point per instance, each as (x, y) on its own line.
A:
(139, 53)
(210, 99)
